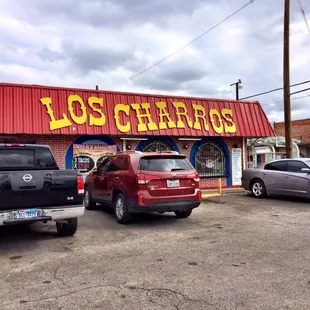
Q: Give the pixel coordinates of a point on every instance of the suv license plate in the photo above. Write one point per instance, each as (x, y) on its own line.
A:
(25, 214)
(173, 183)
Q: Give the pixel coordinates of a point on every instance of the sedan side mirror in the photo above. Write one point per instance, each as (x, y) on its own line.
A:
(305, 170)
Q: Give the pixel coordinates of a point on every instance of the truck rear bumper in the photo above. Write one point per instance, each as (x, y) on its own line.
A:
(43, 214)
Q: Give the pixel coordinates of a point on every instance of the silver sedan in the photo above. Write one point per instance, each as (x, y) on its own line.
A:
(289, 177)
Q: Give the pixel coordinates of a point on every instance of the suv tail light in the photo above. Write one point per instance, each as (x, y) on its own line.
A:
(144, 179)
(199, 195)
(195, 177)
(80, 184)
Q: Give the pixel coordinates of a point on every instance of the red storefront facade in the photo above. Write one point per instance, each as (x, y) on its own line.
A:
(198, 127)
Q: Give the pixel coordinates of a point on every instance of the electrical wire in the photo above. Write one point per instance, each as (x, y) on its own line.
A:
(273, 90)
(280, 101)
(184, 46)
(304, 15)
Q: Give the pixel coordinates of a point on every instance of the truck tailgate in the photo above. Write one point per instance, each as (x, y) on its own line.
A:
(38, 188)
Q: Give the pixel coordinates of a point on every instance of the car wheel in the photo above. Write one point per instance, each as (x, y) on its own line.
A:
(88, 202)
(183, 214)
(123, 216)
(258, 189)
(67, 229)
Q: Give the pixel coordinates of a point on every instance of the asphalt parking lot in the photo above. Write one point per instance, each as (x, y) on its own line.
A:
(239, 253)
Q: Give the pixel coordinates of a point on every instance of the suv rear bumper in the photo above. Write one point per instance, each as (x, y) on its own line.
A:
(44, 214)
(164, 206)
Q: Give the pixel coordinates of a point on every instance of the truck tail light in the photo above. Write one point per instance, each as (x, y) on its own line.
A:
(80, 184)
(13, 145)
(145, 179)
(195, 177)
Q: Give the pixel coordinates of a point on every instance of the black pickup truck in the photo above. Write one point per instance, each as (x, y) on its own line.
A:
(33, 188)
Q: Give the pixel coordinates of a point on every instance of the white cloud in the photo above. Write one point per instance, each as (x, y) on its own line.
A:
(85, 43)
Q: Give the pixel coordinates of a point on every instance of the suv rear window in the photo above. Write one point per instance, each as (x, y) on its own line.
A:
(164, 163)
(16, 158)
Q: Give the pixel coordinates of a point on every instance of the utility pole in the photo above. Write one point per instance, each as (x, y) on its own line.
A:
(286, 79)
(238, 85)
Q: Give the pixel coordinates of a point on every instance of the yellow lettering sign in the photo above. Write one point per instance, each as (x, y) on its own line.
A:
(77, 119)
(163, 113)
(55, 124)
(117, 109)
(231, 127)
(181, 110)
(220, 120)
(142, 126)
(217, 128)
(199, 108)
(97, 121)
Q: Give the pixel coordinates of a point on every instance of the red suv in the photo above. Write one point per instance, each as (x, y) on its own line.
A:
(136, 182)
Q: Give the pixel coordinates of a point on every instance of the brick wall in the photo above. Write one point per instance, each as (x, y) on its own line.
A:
(59, 145)
(300, 129)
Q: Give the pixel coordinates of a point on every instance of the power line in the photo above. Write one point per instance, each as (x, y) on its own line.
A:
(304, 15)
(280, 101)
(273, 90)
(184, 46)
(299, 91)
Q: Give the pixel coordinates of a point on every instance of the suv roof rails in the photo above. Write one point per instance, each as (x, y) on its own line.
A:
(171, 152)
(129, 151)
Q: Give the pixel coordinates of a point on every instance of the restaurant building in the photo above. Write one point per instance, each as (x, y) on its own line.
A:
(212, 133)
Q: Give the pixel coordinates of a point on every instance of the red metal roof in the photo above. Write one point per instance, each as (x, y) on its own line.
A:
(22, 111)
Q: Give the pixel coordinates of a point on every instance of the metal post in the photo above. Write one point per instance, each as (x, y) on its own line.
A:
(286, 79)
(237, 91)
(237, 85)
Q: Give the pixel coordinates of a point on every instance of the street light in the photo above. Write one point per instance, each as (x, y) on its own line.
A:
(238, 86)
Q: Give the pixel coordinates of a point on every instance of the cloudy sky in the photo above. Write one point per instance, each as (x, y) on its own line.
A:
(83, 43)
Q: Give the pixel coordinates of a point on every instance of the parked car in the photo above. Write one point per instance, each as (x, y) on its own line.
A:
(289, 177)
(32, 188)
(136, 182)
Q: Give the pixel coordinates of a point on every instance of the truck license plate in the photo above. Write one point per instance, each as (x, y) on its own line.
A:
(25, 214)
(173, 183)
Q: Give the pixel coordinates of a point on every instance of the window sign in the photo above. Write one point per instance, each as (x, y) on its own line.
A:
(236, 166)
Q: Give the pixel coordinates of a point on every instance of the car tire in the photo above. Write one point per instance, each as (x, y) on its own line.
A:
(183, 214)
(123, 216)
(67, 229)
(258, 189)
(88, 202)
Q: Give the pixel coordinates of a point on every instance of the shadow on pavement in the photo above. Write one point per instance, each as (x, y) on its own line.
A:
(21, 236)
(142, 219)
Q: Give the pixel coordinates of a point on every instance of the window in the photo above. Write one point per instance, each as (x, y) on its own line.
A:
(34, 158)
(277, 166)
(117, 163)
(164, 163)
(16, 158)
(44, 158)
(296, 166)
(105, 165)
(210, 160)
(157, 146)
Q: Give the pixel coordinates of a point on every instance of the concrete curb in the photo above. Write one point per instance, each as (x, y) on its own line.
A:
(213, 193)
(224, 190)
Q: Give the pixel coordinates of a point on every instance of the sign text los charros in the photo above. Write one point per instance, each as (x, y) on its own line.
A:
(77, 112)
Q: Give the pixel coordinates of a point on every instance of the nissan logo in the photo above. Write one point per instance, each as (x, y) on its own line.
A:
(27, 178)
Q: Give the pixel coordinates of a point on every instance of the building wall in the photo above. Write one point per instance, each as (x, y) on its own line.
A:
(300, 130)
(59, 145)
